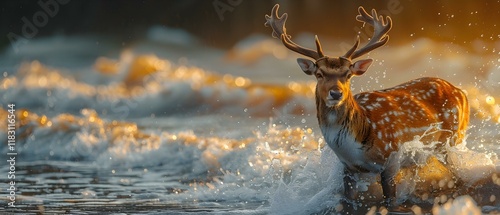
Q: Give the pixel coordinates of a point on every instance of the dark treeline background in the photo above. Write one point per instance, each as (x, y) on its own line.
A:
(222, 23)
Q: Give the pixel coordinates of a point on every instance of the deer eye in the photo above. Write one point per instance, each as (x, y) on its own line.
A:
(319, 75)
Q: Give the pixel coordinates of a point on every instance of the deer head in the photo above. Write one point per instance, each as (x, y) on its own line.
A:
(333, 73)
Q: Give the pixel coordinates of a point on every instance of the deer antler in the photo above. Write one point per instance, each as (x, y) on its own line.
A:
(379, 37)
(277, 23)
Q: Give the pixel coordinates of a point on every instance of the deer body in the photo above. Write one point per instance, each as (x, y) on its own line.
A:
(366, 129)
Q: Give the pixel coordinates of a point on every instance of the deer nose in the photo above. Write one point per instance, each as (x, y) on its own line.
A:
(335, 95)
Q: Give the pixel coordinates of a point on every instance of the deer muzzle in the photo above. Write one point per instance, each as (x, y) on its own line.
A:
(334, 97)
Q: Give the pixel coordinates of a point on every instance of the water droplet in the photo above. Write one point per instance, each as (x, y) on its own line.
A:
(245, 110)
(303, 120)
(490, 100)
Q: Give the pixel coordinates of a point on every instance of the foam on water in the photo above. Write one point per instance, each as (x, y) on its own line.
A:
(289, 167)
(167, 91)
(144, 122)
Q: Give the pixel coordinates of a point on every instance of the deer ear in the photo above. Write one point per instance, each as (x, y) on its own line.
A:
(360, 66)
(307, 66)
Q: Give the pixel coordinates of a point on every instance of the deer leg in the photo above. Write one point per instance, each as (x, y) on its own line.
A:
(388, 188)
(349, 185)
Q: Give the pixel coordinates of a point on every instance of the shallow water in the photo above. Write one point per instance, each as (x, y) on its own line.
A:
(172, 127)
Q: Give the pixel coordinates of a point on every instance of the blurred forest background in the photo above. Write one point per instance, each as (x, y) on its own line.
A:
(222, 23)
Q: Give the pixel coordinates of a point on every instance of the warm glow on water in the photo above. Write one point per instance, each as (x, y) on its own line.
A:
(242, 149)
(170, 123)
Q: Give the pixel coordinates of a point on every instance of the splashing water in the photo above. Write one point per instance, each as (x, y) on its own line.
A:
(141, 133)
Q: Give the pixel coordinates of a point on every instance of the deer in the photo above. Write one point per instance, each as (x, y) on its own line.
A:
(366, 129)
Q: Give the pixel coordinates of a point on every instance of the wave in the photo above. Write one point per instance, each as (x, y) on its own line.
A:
(247, 135)
(140, 93)
(287, 166)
